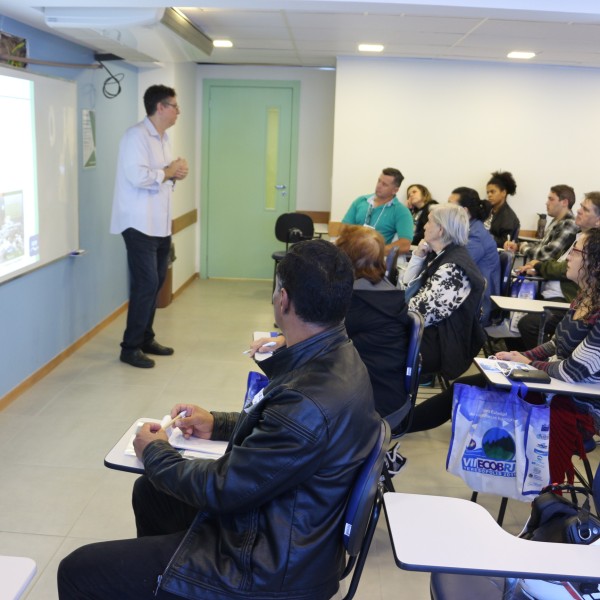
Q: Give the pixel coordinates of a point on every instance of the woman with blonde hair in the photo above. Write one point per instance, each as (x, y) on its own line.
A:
(445, 286)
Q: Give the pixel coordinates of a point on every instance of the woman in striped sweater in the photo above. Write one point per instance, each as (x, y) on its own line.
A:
(573, 355)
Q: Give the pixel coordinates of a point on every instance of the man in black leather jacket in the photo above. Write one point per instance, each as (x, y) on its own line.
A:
(265, 521)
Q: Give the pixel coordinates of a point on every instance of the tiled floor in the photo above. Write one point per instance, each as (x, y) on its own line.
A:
(56, 493)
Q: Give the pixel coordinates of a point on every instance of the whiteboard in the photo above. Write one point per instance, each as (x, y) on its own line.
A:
(39, 220)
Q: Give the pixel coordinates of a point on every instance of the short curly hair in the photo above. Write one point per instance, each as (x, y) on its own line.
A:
(504, 181)
(318, 279)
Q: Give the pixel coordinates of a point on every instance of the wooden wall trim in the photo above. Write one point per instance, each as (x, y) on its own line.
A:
(183, 221)
(318, 216)
(43, 371)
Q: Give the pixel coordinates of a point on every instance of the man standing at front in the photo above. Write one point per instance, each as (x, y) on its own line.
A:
(146, 176)
(382, 211)
(265, 521)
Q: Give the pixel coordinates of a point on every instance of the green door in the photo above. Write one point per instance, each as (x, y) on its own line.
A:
(249, 167)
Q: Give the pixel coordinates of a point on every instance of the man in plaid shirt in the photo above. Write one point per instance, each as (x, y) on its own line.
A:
(560, 233)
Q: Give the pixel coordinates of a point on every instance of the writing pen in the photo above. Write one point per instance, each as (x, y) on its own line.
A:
(166, 426)
(270, 344)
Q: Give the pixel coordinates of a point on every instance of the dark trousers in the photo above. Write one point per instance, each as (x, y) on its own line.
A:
(148, 260)
(129, 568)
(529, 325)
(437, 410)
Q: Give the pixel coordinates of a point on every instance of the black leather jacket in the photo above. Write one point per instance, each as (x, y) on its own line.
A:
(270, 512)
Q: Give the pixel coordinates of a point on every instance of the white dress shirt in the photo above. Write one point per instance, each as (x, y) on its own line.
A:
(142, 200)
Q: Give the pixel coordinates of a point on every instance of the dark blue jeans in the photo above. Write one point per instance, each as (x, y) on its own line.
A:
(148, 260)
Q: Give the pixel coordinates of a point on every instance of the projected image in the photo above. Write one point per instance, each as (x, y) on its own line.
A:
(19, 225)
(11, 226)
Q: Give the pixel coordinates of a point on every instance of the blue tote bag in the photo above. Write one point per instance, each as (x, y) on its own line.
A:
(499, 442)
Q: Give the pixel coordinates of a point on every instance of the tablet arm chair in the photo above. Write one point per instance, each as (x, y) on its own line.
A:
(399, 421)
(289, 229)
(470, 556)
(363, 510)
(391, 266)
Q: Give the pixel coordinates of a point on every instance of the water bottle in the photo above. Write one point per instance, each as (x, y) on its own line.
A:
(541, 226)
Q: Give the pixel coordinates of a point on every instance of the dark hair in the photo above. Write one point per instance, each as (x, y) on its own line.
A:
(424, 192)
(318, 279)
(594, 198)
(468, 198)
(398, 177)
(365, 247)
(504, 181)
(589, 294)
(155, 94)
(564, 192)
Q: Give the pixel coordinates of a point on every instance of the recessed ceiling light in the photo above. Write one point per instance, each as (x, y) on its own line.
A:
(222, 43)
(370, 47)
(521, 55)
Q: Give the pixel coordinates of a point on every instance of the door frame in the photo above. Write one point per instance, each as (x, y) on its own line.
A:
(207, 86)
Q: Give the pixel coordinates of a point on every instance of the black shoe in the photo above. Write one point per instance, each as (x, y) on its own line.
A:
(154, 347)
(136, 358)
(426, 380)
(394, 461)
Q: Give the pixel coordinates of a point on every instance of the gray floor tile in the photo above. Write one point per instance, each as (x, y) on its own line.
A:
(56, 493)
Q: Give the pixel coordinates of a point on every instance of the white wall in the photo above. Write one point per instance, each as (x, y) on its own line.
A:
(316, 124)
(445, 124)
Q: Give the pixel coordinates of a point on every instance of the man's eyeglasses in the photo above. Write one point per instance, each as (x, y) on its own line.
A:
(175, 106)
(575, 250)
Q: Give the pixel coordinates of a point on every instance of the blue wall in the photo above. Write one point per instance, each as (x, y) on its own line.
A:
(44, 312)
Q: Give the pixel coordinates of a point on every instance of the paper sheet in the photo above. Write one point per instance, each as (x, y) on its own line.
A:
(191, 448)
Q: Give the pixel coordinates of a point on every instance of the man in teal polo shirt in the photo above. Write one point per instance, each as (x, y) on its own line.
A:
(382, 211)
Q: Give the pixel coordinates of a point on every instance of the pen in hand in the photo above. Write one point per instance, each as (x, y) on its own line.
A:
(166, 426)
(270, 344)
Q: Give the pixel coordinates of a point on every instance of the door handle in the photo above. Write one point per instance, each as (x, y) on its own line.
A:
(280, 187)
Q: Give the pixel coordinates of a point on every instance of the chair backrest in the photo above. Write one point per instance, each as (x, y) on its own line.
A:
(399, 421)
(391, 266)
(507, 260)
(294, 227)
(363, 509)
(413, 360)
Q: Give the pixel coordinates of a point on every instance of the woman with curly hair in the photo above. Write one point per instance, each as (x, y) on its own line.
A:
(572, 355)
(502, 223)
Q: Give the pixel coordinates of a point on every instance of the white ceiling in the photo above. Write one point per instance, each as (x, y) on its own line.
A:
(315, 32)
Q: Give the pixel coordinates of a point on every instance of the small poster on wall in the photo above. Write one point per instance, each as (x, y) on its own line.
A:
(88, 133)
(12, 45)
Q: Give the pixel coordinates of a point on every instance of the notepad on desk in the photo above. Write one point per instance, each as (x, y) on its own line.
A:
(192, 447)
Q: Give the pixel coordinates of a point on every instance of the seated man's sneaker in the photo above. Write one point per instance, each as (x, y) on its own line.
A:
(136, 358)
(394, 461)
(154, 347)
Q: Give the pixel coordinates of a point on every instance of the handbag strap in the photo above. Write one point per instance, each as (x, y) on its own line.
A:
(583, 511)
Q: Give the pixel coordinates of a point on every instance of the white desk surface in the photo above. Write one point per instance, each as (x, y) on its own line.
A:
(452, 535)
(321, 228)
(119, 460)
(526, 304)
(495, 377)
(15, 574)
